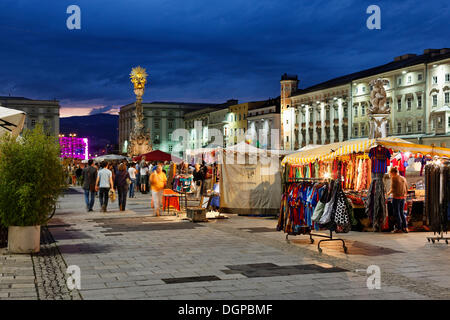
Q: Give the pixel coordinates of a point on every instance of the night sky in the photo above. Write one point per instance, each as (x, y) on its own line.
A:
(200, 51)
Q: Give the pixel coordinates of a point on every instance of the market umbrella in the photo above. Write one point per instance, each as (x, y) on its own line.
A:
(109, 157)
(11, 121)
(157, 155)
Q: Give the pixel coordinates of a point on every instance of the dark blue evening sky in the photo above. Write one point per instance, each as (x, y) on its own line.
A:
(205, 51)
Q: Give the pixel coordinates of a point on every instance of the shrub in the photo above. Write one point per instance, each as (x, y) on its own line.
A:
(31, 178)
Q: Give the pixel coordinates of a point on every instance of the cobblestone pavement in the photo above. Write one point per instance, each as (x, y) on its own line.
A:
(134, 255)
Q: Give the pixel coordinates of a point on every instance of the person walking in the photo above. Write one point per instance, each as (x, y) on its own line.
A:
(104, 184)
(122, 185)
(144, 177)
(89, 175)
(158, 181)
(399, 191)
(132, 172)
(78, 174)
(199, 179)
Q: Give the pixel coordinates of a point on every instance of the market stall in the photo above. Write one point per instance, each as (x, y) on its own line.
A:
(250, 182)
(360, 167)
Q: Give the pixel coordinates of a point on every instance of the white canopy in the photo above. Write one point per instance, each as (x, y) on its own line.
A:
(11, 121)
(109, 157)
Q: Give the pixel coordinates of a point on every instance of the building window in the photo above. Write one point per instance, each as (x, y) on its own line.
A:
(419, 102)
(364, 89)
(170, 125)
(419, 125)
(356, 131)
(33, 122)
(409, 79)
(170, 148)
(388, 103)
(435, 79)
(356, 111)
(363, 111)
(435, 100)
(287, 138)
(448, 122)
(447, 97)
(363, 130)
(399, 105)
(409, 104)
(388, 127)
(156, 124)
(409, 127)
(399, 127)
(399, 81)
(447, 77)
(170, 137)
(345, 112)
(419, 77)
(439, 122)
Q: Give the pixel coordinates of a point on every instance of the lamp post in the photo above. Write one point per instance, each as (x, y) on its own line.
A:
(140, 142)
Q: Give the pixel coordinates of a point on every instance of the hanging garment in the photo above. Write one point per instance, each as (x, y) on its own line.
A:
(380, 159)
(327, 212)
(376, 202)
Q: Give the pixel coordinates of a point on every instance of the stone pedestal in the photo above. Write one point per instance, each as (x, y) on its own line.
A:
(378, 124)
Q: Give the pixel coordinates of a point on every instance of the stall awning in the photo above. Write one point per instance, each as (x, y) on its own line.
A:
(333, 150)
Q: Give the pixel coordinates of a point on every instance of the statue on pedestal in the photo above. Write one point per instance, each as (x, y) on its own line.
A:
(378, 112)
(140, 141)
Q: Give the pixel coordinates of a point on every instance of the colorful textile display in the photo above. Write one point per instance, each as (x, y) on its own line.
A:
(376, 202)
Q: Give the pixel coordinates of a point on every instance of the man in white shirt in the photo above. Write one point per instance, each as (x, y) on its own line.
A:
(104, 184)
(144, 177)
(132, 172)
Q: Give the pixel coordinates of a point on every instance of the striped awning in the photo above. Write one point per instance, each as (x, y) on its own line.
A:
(334, 150)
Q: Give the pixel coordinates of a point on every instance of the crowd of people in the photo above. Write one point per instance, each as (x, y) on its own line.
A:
(108, 180)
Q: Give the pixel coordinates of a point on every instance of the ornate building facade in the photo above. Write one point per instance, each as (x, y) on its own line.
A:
(418, 92)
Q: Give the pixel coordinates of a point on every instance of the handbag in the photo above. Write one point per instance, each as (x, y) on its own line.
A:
(128, 181)
(112, 195)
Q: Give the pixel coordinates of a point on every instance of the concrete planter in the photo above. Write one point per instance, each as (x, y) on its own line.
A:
(24, 239)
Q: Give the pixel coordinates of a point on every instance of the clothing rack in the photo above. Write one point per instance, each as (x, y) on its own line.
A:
(327, 238)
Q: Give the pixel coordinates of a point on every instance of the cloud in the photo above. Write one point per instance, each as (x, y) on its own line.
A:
(100, 110)
(207, 51)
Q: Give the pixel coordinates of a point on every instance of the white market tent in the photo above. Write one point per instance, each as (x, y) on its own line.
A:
(109, 157)
(250, 181)
(11, 121)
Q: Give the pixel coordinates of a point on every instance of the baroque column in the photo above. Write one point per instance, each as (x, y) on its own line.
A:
(341, 120)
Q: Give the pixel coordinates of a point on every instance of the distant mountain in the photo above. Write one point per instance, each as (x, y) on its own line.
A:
(101, 129)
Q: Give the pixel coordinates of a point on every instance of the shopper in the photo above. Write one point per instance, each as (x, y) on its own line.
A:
(122, 185)
(399, 191)
(199, 178)
(158, 181)
(89, 175)
(78, 174)
(104, 184)
(132, 172)
(144, 177)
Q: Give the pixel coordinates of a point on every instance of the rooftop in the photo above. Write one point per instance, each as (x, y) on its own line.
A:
(407, 60)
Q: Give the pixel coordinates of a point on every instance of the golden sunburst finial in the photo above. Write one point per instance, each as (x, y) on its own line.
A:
(138, 77)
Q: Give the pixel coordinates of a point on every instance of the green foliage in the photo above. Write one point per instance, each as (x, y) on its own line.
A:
(31, 178)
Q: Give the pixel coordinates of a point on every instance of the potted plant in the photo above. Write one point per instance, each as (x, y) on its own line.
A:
(31, 180)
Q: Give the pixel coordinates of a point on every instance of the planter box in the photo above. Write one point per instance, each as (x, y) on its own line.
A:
(24, 239)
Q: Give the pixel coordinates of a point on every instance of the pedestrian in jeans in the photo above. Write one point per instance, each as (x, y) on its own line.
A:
(158, 181)
(199, 179)
(132, 172)
(144, 177)
(89, 175)
(399, 191)
(122, 185)
(104, 184)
